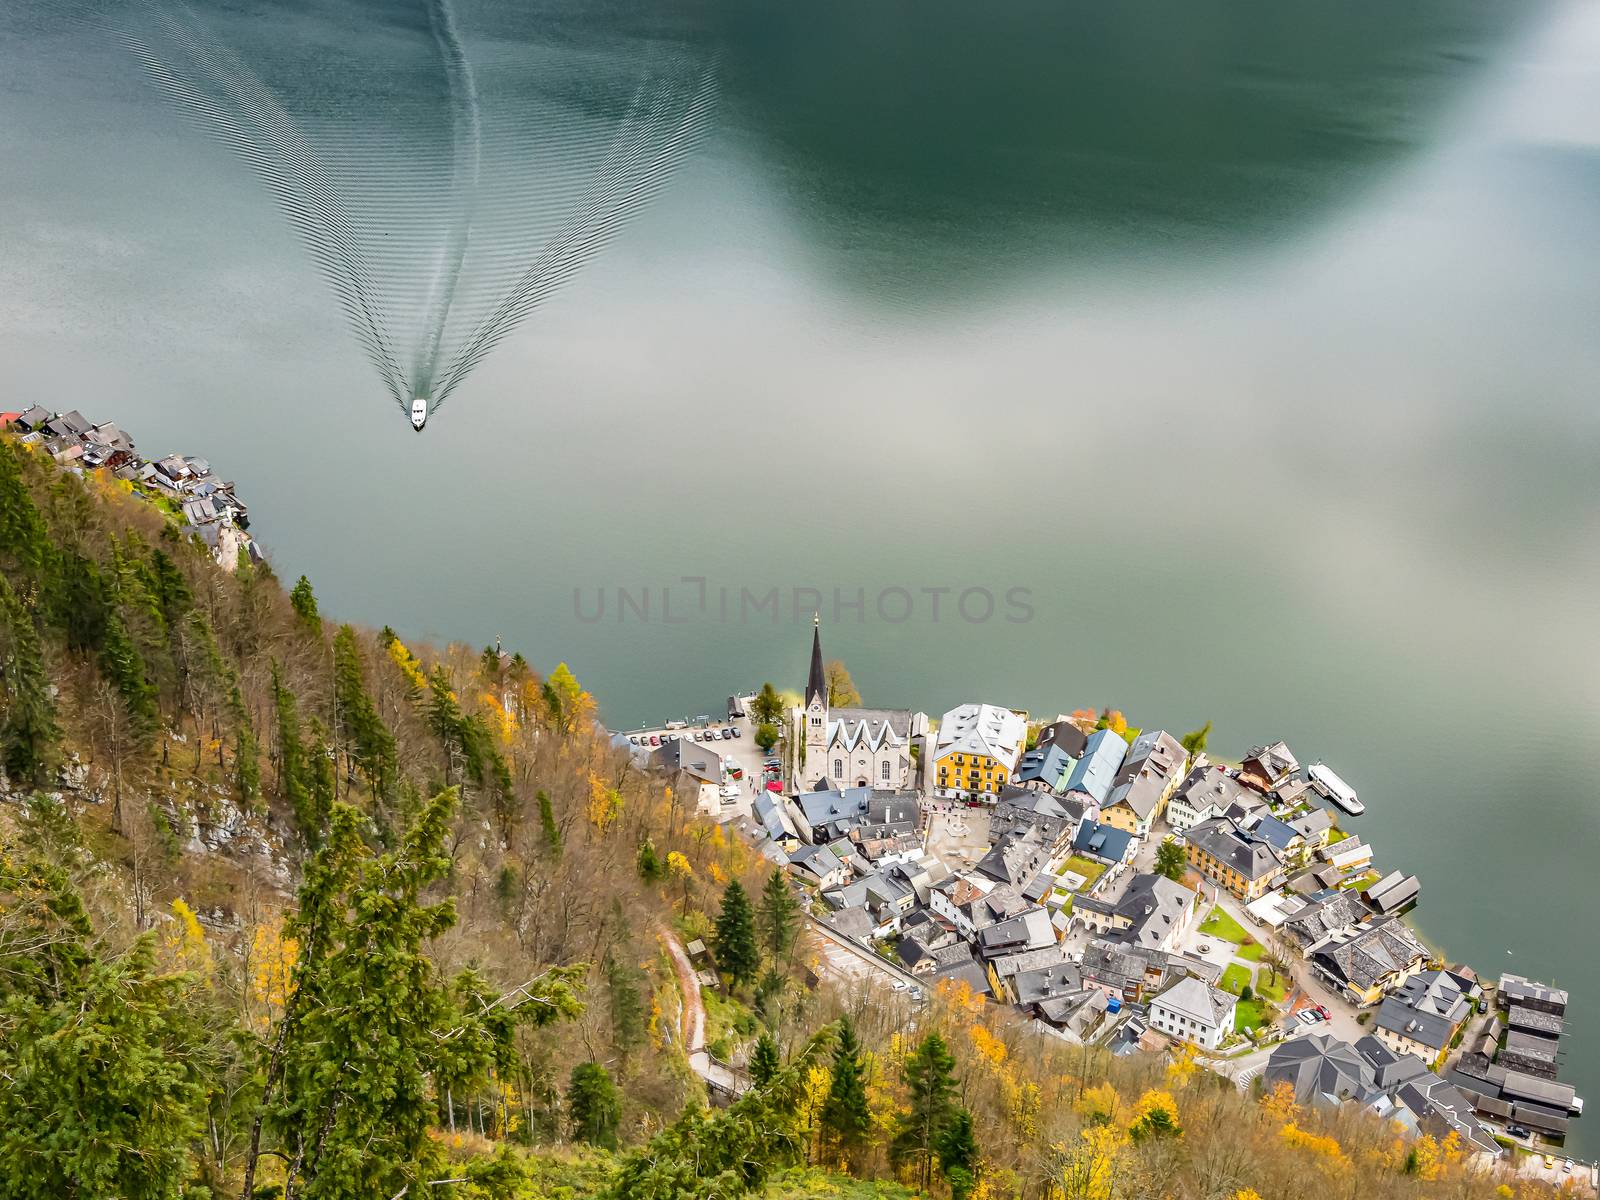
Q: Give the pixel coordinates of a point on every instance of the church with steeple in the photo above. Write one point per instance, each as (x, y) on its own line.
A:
(850, 747)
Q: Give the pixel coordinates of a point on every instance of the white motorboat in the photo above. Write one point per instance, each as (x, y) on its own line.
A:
(1330, 785)
(419, 412)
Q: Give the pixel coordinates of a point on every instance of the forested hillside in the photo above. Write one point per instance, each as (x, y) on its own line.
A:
(294, 909)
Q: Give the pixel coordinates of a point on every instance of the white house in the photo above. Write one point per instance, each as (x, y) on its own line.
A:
(1193, 1011)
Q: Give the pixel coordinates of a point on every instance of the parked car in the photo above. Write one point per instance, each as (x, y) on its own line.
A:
(1323, 1013)
(729, 733)
(1307, 1017)
(654, 740)
(1517, 1131)
(736, 732)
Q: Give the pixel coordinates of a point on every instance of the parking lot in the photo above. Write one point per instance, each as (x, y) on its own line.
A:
(740, 750)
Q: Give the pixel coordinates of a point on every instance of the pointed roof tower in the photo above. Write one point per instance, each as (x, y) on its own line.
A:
(817, 684)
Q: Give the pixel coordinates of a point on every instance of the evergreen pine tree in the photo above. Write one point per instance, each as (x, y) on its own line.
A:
(246, 753)
(779, 915)
(29, 733)
(99, 1093)
(958, 1154)
(734, 940)
(547, 821)
(346, 1119)
(304, 602)
(930, 1079)
(765, 1062)
(370, 744)
(624, 1003)
(82, 605)
(292, 759)
(124, 666)
(594, 1106)
(846, 1118)
(26, 552)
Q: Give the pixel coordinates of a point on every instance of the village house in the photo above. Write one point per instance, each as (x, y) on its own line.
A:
(1326, 1072)
(1207, 793)
(1348, 855)
(1153, 912)
(1149, 774)
(1268, 768)
(1196, 1012)
(818, 866)
(1044, 769)
(1096, 771)
(694, 769)
(1425, 1014)
(1229, 855)
(1367, 962)
(1324, 914)
(976, 750)
(1394, 894)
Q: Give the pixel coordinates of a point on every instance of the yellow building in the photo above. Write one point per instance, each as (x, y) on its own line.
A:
(976, 751)
(1228, 856)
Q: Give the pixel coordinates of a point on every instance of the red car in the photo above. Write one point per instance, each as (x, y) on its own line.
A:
(1323, 1013)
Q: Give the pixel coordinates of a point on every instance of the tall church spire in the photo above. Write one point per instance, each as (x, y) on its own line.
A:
(817, 685)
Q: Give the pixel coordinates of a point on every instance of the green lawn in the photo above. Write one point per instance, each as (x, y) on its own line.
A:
(1250, 1014)
(1220, 925)
(1364, 881)
(1235, 978)
(1251, 952)
(1274, 991)
(1090, 870)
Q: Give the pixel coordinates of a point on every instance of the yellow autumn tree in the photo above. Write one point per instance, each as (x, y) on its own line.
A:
(186, 941)
(809, 1113)
(1087, 1169)
(1155, 1114)
(1182, 1067)
(605, 804)
(501, 719)
(272, 959)
(1024, 1103)
(989, 1049)
(1327, 1149)
(1279, 1105)
(409, 665)
(1099, 1104)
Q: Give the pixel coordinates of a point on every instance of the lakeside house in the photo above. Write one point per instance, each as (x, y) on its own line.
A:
(1149, 774)
(976, 750)
(1427, 1012)
(1368, 961)
(1268, 768)
(1096, 772)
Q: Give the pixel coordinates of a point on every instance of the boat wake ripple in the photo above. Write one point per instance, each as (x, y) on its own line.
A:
(444, 200)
